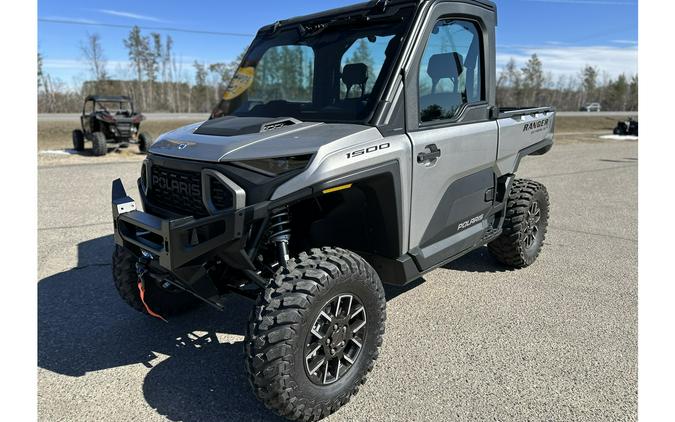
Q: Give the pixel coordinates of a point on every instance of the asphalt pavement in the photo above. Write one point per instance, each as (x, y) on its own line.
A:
(471, 342)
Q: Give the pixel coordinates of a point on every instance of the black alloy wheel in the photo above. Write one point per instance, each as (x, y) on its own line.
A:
(336, 339)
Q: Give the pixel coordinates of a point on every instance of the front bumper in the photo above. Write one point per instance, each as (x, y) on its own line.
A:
(180, 242)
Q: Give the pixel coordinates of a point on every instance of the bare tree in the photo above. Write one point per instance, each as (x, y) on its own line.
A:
(200, 89)
(92, 51)
(137, 45)
(167, 74)
(40, 73)
(510, 85)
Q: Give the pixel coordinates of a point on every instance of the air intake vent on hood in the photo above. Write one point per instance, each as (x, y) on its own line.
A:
(234, 126)
(279, 124)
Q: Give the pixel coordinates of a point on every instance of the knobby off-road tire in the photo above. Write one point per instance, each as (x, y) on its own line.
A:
(164, 302)
(144, 142)
(99, 144)
(525, 225)
(282, 330)
(78, 140)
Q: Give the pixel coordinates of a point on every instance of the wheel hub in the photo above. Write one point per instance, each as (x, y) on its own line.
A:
(335, 340)
(532, 224)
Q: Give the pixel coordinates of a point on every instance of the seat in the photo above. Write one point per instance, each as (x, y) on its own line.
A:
(355, 74)
(443, 66)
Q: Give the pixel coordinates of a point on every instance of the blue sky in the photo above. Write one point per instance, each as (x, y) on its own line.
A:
(566, 34)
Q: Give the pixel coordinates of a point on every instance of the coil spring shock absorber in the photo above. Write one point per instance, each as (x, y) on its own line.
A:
(280, 233)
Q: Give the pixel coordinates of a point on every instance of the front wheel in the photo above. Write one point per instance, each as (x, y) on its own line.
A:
(78, 140)
(99, 144)
(144, 142)
(525, 225)
(162, 301)
(315, 333)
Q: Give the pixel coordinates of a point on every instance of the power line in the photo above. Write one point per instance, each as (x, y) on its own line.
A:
(147, 28)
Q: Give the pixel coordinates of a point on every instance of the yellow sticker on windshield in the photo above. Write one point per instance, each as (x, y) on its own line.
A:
(240, 82)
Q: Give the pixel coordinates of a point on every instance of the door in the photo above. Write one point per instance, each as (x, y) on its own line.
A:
(453, 138)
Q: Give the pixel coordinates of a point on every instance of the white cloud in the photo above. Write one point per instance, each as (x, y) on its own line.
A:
(130, 15)
(569, 60)
(73, 20)
(589, 2)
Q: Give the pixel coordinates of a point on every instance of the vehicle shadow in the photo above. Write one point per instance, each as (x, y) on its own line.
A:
(477, 261)
(88, 152)
(83, 327)
(195, 362)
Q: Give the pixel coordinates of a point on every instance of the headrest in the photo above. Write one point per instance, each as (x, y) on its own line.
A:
(355, 74)
(447, 65)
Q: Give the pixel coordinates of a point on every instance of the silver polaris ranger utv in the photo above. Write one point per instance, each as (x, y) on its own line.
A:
(354, 147)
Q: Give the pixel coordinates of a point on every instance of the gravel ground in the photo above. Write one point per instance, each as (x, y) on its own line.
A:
(472, 341)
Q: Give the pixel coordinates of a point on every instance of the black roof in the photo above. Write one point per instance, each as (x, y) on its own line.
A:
(358, 7)
(112, 98)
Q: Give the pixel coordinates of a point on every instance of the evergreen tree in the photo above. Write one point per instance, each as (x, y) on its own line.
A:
(533, 79)
(589, 78)
(633, 101)
(617, 94)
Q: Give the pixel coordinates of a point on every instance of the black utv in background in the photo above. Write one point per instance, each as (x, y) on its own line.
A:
(110, 120)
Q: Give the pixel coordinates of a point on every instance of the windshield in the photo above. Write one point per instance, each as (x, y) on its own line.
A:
(114, 107)
(331, 72)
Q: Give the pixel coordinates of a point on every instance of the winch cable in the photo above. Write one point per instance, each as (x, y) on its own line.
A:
(141, 270)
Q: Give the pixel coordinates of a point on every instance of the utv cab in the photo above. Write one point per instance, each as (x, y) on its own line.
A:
(352, 147)
(109, 120)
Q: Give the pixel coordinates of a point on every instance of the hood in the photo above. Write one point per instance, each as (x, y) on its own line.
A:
(241, 138)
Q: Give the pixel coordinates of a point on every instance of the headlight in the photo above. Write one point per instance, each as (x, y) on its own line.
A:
(276, 166)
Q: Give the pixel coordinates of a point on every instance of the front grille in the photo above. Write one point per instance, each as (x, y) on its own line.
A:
(124, 129)
(177, 191)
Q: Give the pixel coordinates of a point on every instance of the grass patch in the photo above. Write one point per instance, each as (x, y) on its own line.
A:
(58, 134)
(585, 124)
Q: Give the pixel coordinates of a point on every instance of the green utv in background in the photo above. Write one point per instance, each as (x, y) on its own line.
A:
(353, 147)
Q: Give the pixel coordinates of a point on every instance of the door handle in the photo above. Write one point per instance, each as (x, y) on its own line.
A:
(431, 154)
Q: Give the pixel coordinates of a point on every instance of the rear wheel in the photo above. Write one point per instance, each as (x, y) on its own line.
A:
(99, 144)
(162, 301)
(315, 333)
(525, 225)
(78, 140)
(144, 142)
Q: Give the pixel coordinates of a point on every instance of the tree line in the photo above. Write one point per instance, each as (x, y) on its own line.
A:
(158, 82)
(531, 86)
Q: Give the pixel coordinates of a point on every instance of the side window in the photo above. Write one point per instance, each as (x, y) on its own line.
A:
(451, 70)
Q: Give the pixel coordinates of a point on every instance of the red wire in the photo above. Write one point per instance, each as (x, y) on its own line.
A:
(147, 308)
